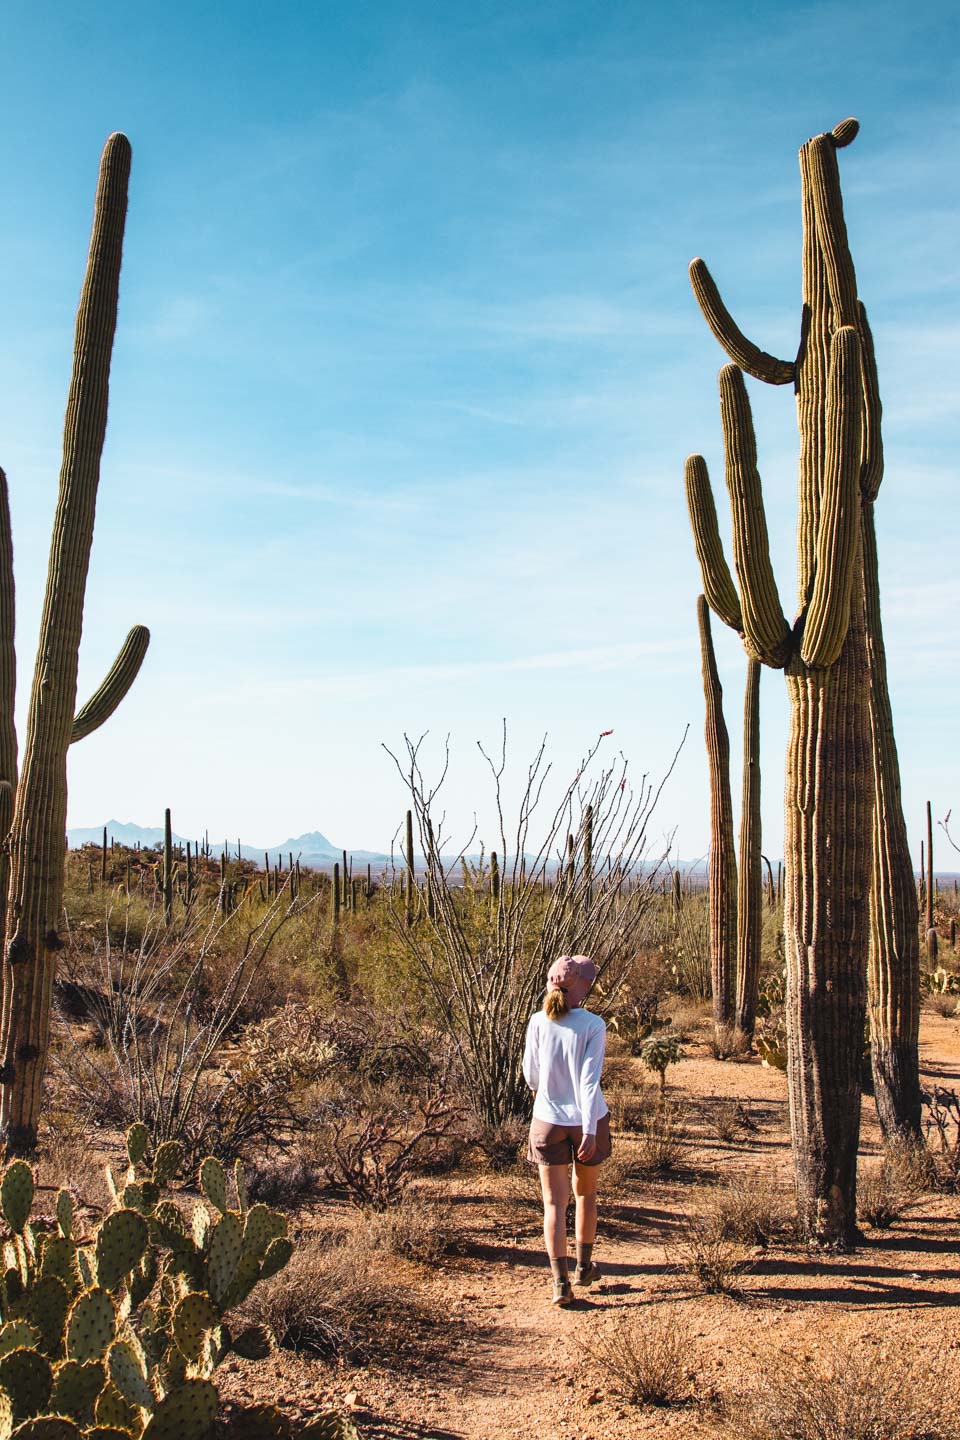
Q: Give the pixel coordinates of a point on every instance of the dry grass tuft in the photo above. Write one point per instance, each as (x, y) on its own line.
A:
(645, 1358)
(417, 1229)
(337, 1300)
(728, 1042)
(711, 1259)
(751, 1210)
(880, 1396)
(661, 1138)
(887, 1190)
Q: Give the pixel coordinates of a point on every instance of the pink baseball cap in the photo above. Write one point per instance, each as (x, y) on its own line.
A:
(573, 974)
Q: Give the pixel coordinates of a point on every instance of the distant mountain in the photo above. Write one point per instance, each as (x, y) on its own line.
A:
(313, 849)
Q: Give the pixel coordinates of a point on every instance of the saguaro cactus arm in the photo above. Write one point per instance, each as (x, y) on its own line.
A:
(765, 629)
(742, 351)
(838, 537)
(117, 683)
(871, 449)
(824, 176)
(718, 587)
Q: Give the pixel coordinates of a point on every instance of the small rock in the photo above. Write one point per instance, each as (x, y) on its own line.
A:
(594, 1397)
(351, 1399)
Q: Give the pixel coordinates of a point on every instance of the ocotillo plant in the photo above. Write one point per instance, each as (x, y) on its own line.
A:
(723, 860)
(829, 788)
(39, 819)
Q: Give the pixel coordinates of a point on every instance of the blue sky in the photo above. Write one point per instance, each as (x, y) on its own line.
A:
(408, 365)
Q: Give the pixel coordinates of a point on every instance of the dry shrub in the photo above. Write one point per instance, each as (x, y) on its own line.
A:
(729, 1042)
(887, 1190)
(628, 1105)
(660, 1140)
(284, 1180)
(646, 1358)
(379, 1141)
(712, 1260)
(729, 1117)
(945, 1005)
(856, 1396)
(417, 1229)
(750, 1209)
(337, 1300)
(504, 1145)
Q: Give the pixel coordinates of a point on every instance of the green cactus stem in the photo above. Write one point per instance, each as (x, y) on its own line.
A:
(494, 879)
(167, 869)
(39, 821)
(929, 914)
(336, 891)
(723, 862)
(749, 868)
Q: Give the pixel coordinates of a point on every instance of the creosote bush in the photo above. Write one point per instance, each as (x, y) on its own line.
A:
(646, 1357)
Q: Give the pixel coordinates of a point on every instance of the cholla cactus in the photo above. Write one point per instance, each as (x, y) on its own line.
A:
(658, 1053)
(119, 1333)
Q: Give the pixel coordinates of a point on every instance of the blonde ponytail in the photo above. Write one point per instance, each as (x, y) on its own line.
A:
(555, 1006)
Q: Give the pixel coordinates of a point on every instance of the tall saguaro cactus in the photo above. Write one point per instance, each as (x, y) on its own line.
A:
(750, 875)
(829, 771)
(40, 809)
(723, 860)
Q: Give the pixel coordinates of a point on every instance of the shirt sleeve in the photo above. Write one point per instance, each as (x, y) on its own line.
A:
(531, 1055)
(591, 1069)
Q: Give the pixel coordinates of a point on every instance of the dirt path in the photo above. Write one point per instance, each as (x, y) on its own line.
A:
(519, 1367)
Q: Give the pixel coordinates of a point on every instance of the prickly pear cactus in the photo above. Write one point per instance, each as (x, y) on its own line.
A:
(116, 1334)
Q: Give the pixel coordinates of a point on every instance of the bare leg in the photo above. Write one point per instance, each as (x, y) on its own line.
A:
(555, 1184)
(585, 1189)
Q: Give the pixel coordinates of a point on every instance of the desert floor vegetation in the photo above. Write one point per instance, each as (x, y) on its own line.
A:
(416, 1295)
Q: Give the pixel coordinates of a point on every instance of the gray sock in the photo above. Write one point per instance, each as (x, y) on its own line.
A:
(560, 1269)
(584, 1255)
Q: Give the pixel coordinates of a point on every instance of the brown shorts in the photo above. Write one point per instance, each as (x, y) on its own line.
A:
(558, 1144)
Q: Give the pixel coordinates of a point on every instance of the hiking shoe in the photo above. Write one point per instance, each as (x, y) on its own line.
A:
(586, 1274)
(562, 1292)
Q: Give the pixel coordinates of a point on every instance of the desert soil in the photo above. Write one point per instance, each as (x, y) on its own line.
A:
(508, 1364)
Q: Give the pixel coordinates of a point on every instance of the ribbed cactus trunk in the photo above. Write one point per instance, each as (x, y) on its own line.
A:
(893, 977)
(167, 869)
(749, 869)
(39, 823)
(723, 860)
(829, 780)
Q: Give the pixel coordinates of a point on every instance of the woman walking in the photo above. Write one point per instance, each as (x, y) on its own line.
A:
(562, 1063)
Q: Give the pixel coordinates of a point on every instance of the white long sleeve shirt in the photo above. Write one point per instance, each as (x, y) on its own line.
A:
(562, 1061)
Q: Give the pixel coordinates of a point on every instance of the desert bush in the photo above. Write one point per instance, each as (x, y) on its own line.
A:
(942, 1128)
(419, 1229)
(687, 951)
(728, 1118)
(336, 1301)
(855, 1396)
(887, 1190)
(646, 1357)
(750, 1210)
(945, 1004)
(504, 1145)
(708, 1256)
(628, 1104)
(635, 1017)
(164, 1027)
(375, 1147)
(660, 1140)
(283, 1180)
(729, 1042)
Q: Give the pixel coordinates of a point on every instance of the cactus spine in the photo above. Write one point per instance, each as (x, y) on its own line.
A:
(39, 820)
(723, 862)
(829, 789)
(750, 873)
